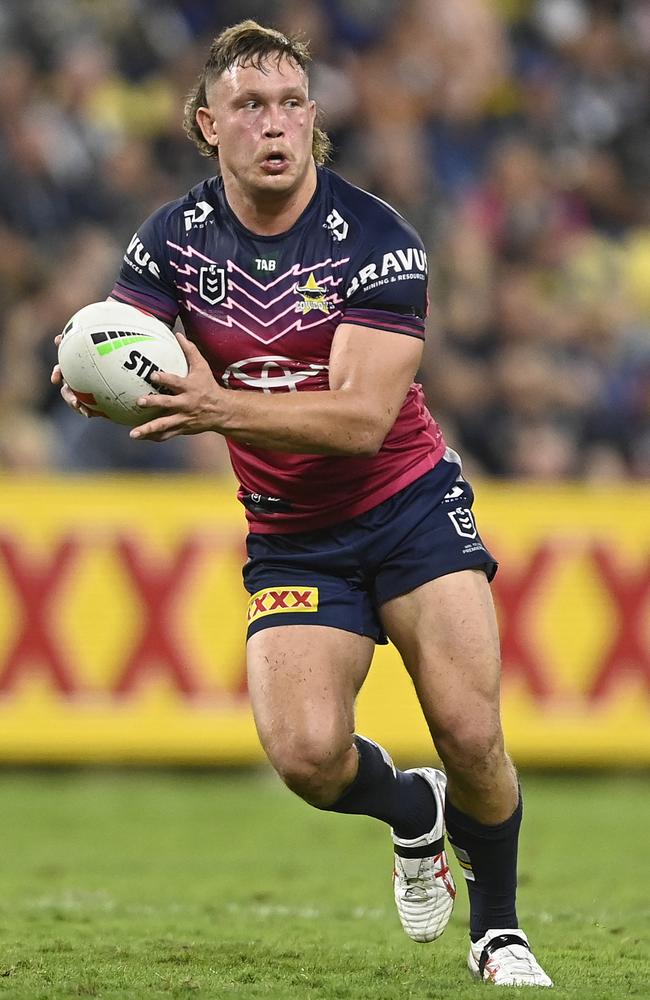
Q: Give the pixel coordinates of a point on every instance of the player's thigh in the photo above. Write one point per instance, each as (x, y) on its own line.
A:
(303, 681)
(446, 632)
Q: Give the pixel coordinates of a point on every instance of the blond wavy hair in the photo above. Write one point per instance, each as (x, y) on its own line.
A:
(247, 44)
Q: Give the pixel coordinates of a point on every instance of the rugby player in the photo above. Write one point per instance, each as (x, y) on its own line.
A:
(303, 301)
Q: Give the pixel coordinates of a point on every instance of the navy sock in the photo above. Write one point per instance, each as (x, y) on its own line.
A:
(403, 800)
(488, 857)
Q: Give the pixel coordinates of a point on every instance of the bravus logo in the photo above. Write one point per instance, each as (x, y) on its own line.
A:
(396, 265)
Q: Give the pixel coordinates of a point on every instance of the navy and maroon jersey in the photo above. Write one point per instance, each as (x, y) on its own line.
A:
(263, 311)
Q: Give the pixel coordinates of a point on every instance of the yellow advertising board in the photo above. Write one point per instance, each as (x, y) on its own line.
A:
(122, 619)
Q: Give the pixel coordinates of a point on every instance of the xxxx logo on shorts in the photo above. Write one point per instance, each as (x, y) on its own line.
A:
(274, 601)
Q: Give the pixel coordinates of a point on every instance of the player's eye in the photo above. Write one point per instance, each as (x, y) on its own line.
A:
(293, 102)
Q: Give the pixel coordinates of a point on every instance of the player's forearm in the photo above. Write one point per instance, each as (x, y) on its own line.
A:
(327, 423)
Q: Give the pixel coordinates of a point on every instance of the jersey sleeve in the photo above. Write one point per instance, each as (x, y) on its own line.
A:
(387, 281)
(144, 280)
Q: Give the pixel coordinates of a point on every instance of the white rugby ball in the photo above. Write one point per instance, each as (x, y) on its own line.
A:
(108, 353)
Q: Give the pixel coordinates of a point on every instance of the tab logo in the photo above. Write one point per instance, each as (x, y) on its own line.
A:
(279, 601)
(265, 264)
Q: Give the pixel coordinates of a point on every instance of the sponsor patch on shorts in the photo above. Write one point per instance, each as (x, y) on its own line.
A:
(276, 600)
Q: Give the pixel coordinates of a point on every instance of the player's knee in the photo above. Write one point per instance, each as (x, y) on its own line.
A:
(311, 768)
(472, 747)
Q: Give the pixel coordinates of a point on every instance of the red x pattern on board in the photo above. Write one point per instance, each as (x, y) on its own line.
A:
(158, 585)
(628, 651)
(515, 593)
(37, 586)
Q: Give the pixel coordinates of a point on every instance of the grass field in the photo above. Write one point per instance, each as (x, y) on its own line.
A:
(224, 885)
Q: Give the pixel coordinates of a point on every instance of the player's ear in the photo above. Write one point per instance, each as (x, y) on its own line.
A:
(207, 124)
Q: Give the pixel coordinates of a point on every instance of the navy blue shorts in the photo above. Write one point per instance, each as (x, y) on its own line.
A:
(342, 575)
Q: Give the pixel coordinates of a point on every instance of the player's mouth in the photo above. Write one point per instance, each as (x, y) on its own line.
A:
(275, 162)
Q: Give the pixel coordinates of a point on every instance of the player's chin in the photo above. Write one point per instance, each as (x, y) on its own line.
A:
(277, 181)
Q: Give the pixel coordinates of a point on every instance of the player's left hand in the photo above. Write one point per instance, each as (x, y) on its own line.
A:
(190, 403)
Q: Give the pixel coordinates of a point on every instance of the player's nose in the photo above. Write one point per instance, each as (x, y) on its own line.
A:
(273, 123)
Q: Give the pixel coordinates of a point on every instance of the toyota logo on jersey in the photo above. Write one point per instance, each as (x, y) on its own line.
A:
(270, 372)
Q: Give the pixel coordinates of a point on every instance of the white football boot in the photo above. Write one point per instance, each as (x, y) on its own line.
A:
(504, 958)
(424, 886)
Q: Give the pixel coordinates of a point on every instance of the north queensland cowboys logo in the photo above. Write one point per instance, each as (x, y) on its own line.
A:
(463, 521)
(212, 284)
(313, 296)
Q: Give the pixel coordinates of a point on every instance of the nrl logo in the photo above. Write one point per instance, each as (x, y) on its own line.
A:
(212, 284)
(313, 296)
(463, 521)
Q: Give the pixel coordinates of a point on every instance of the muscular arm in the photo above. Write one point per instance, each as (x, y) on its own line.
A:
(370, 373)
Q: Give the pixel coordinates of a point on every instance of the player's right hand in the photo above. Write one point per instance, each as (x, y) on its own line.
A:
(56, 378)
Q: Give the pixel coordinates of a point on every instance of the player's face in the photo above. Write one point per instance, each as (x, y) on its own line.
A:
(262, 122)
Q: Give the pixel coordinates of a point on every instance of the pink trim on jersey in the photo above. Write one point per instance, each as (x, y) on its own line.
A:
(381, 319)
(351, 510)
(139, 303)
(389, 327)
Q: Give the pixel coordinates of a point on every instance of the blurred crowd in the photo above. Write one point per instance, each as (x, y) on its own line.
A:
(514, 134)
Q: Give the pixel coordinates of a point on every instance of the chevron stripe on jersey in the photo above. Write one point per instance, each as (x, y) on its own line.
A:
(266, 311)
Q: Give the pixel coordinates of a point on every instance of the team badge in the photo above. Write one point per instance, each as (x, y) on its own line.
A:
(463, 521)
(313, 296)
(212, 284)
